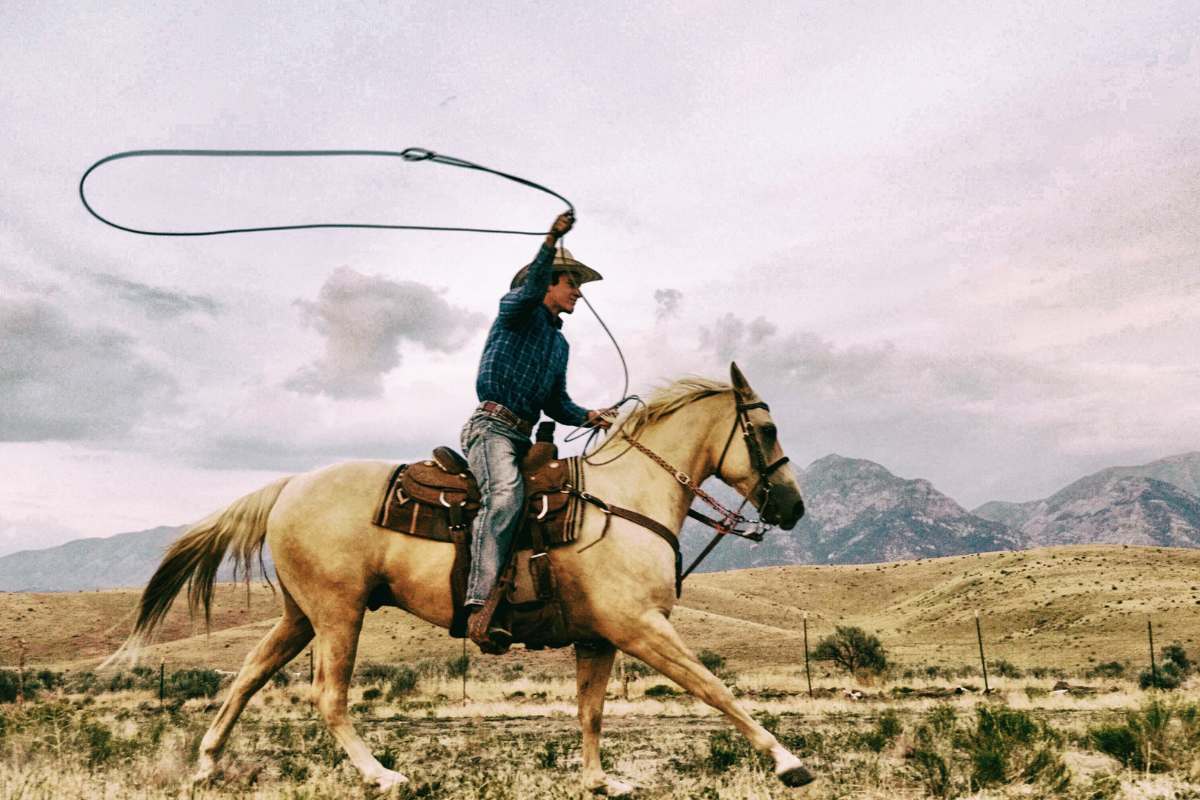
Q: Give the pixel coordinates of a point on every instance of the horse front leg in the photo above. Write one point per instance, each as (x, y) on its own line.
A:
(593, 665)
(653, 639)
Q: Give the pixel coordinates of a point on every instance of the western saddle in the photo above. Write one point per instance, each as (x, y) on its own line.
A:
(438, 498)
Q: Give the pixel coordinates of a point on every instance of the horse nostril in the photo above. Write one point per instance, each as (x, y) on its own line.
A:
(798, 510)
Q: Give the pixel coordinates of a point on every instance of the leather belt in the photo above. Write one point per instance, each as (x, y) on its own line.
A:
(506, 416)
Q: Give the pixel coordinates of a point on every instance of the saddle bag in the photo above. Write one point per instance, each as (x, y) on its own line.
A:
(426, 500)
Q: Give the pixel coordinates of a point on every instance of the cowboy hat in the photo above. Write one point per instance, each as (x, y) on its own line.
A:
(563, 262)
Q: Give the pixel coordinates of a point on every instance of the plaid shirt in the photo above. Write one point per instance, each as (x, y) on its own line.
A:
(524, 362)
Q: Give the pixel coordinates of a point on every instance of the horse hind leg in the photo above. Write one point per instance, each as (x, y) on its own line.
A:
(284, 641)
(653, 639)
(593, 665)
(335, 648)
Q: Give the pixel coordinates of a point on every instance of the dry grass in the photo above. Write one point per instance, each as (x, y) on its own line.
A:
(506, 743)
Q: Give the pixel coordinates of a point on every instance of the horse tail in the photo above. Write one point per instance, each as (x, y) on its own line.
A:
(194, 558)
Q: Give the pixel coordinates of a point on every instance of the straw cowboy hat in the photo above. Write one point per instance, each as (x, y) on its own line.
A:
(563, 262)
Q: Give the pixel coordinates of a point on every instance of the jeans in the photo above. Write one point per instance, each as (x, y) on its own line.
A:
(494, 450)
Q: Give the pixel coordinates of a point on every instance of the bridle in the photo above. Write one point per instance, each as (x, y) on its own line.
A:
(731, 520)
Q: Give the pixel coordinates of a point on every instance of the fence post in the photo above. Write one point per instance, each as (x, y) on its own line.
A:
(807, 671)
(982, 660)
(466, 665)
(624, 678)
(1153, 663)
(21, 673)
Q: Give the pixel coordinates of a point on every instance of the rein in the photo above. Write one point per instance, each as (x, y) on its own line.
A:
(730, 519)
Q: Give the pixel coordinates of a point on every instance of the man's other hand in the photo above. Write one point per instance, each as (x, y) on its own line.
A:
(563, 224)
(601, 418)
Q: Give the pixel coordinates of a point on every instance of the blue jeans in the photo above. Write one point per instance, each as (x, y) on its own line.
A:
(494, 450)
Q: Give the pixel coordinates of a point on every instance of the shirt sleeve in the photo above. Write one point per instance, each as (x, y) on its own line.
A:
(559, 405)
(516, 306)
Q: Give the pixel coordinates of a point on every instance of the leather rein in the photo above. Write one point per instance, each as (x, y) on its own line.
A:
(730, 519)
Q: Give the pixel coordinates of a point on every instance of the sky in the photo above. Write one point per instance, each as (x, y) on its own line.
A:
(959, 240)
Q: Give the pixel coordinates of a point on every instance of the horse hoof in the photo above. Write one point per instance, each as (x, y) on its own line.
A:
(204, 777)
(796, 776)
(389, 779)
(611, 787)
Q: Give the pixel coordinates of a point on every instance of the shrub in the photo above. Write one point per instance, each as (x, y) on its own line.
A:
(1174, 655)
(1108, 669)
(374, 693)
(713, 662)
(1166, 677)
(1147, 741)
(9, 687)
(661, 690)
(725, 749)
(636, 669)
(186, 684)
(458, 666)
(852, 649)
(886, 729)
(403, 682)
(1006, 669)
(1008, 746)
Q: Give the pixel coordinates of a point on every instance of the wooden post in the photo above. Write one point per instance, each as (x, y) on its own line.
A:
(807, 671)
(1153, 663)
(21, 673)
(466, 664)
(624, 677)
(982, 660)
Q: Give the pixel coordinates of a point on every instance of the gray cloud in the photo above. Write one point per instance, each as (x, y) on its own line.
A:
(364, 319)
(156, 302)
(61, 381)
(668, 302)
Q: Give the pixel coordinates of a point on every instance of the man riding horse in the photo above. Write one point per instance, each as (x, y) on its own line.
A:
(522, 373)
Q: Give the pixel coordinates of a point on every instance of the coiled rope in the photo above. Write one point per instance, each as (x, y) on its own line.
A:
(411, 154)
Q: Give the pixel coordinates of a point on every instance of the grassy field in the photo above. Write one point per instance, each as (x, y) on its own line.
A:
(517, 738)
(1047, 614)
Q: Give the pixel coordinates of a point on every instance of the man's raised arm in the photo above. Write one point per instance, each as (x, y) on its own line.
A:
(515, 305)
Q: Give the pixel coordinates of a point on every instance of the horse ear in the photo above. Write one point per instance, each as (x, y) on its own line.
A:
(740, 384)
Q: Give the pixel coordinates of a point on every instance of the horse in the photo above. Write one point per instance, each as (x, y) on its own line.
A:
(618, 582)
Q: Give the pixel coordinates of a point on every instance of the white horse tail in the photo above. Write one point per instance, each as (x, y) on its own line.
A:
(194, 559)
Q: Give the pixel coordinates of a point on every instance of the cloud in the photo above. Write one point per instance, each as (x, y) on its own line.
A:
(668, 302)
(61, 381)
(364, 319)
(158, 303)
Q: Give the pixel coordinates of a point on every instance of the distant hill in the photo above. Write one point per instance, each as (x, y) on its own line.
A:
(127, 559)
(1150, 504)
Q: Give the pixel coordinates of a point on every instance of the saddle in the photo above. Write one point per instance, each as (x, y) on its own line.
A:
(438, 498)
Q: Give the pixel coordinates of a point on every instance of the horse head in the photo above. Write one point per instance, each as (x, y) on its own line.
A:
(758, 468)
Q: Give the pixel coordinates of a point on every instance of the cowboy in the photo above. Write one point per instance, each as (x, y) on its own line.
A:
(523, 372)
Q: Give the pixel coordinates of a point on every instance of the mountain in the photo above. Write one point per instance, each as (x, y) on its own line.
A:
(127, 559)
(859, 512)
(1149, 504)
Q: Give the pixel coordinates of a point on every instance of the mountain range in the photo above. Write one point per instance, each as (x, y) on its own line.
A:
(858, 512)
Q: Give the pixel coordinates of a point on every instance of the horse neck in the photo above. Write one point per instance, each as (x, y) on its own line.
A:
(687, 440)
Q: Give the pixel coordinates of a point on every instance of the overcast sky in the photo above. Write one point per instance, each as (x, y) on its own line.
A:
(956, 239)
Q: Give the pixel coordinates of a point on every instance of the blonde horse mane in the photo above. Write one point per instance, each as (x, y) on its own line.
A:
(664, 401)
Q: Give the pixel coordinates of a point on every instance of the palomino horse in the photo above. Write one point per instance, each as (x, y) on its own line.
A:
(618, 583)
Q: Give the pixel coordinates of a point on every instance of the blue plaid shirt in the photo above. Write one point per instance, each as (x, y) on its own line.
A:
(524, 362)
